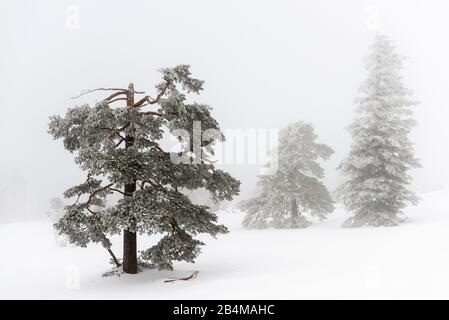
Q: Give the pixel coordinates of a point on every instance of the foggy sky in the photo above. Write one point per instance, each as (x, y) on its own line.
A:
(265, 63)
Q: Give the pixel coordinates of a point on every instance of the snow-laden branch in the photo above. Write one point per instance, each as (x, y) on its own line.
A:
(93, 194)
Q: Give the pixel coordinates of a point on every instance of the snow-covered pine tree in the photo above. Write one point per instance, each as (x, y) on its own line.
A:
(296, 188)
(376, 189)
(120, 149)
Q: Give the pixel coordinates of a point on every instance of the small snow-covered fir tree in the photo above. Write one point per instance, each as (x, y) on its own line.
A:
(296, 188)
(119, 147)
(377, 185)
(55, 213)
(56, 209)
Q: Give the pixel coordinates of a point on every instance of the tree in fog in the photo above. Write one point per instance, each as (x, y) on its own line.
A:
(295, 189)
(377, 168)
(54, 214)
(117, 142)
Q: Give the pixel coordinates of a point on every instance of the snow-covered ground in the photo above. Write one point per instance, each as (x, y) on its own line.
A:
(323, 261)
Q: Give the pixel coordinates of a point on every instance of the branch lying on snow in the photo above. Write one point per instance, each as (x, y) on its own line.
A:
(187, 278)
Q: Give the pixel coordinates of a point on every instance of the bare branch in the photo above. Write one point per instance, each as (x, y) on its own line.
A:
(149, 100)
(141, 101)
(84, 92)
(116, 94)
(116, 99)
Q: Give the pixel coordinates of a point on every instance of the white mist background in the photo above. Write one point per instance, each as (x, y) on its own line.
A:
(265, 63)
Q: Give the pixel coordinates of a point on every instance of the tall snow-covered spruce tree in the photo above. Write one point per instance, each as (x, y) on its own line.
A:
(117, 142)
(376, 188)
(295, 189)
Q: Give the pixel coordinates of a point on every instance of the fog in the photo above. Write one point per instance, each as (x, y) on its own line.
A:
(265, 63)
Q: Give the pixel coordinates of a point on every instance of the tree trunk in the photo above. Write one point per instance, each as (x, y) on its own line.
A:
(130, 241)
(295, 213)
(129, 236)
(129, 252)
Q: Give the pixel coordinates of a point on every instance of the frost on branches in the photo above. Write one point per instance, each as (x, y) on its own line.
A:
(381, 155)
(295, 189)
(117, 143)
